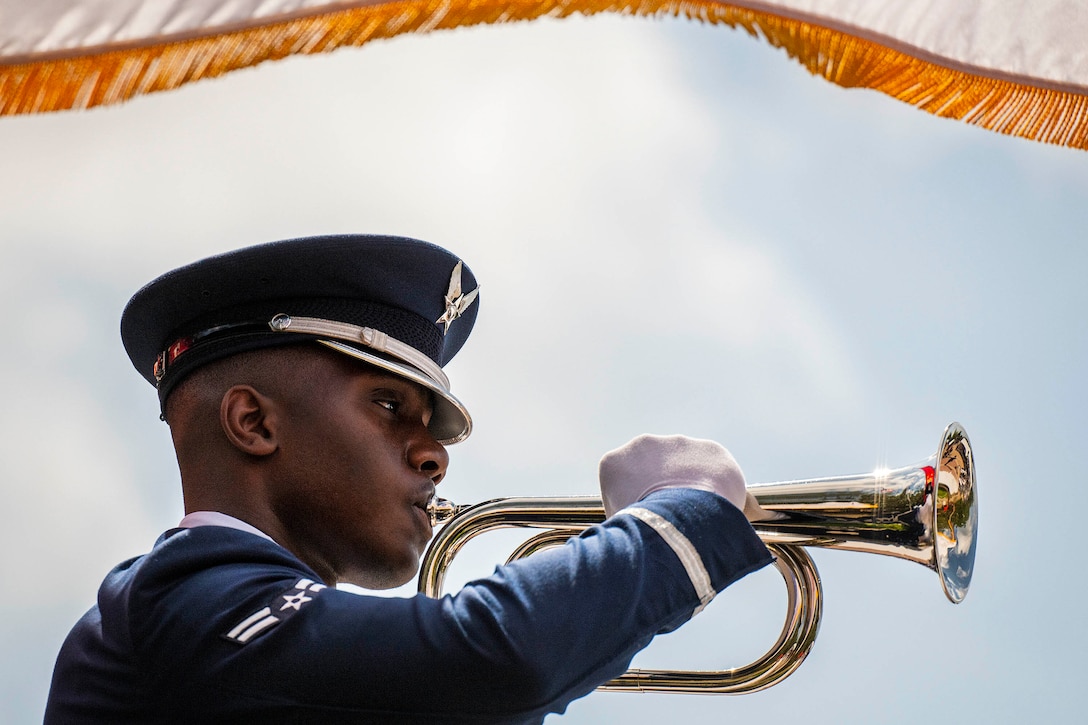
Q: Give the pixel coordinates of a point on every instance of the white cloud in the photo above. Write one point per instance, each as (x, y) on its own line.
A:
(568, 169)
(69, 492)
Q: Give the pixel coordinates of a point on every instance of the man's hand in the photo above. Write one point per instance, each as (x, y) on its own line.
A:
(651, 463)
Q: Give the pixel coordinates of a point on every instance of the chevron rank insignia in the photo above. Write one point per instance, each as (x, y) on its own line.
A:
(278, 610)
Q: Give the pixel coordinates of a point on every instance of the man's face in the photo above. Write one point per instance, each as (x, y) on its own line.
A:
(355, 470)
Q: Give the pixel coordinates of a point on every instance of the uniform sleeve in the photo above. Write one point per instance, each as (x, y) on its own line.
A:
(511, 647)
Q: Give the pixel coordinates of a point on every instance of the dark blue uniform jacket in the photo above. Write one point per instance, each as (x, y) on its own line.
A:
(219, 625)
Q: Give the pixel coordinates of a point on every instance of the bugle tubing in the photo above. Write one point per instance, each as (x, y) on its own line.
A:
(926, 513)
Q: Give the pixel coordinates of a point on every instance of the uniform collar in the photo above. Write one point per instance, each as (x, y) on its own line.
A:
(215, 518)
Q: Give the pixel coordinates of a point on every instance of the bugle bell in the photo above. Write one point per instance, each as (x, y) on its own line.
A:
(927, 513)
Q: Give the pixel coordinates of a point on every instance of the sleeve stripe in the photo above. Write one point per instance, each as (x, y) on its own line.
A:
(248, 621)
(252, 625)
(258, 627)
(684, 550)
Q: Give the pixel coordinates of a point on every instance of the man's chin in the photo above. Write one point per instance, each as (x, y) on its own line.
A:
(380, 581)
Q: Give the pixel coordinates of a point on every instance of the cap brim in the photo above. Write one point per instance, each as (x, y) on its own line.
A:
(450, 422)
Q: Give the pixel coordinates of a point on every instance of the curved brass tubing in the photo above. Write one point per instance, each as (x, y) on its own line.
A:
(927, 513)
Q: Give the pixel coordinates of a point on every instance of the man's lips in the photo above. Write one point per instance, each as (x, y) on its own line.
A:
(423, 501)
(422, 506)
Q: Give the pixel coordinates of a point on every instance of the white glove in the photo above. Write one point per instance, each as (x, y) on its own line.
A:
(651, 463)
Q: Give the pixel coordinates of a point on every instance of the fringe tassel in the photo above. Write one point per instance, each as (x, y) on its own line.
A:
(1018, 109)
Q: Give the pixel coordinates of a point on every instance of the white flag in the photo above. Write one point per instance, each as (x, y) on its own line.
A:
(1015, 66)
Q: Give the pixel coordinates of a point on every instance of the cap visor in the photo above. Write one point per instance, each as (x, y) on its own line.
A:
(450, 421)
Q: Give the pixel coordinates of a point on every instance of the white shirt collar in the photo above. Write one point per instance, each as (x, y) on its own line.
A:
(215, 518)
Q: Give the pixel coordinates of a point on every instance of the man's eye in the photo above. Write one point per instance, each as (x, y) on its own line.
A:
(390, 405)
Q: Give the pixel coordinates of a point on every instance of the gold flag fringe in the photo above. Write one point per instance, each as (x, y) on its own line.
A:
(1013, 107)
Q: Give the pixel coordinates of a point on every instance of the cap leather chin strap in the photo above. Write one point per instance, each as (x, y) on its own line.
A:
(376, 340)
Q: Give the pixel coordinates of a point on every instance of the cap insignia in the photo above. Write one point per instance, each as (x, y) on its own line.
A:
(456, 303)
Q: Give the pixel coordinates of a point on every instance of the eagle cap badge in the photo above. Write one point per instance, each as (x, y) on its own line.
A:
(456, 302)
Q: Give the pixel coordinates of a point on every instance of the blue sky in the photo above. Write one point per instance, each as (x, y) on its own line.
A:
(676, 229)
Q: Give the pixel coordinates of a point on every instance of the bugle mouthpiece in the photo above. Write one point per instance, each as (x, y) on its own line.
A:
(441, 510)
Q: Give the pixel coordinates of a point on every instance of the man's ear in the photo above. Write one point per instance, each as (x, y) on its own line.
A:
(249, 420)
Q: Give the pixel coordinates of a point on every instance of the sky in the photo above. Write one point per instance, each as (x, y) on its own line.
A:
(676, 230)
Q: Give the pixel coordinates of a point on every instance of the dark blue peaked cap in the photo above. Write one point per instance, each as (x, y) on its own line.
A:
(401, 304)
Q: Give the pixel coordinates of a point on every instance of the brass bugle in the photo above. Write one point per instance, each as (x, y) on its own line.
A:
(926, 513)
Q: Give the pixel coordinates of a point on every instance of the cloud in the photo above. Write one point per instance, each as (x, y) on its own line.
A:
(69, 475)
(568, 169)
